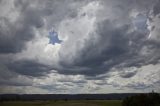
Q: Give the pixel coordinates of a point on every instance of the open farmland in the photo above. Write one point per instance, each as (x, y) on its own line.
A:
(64, 103)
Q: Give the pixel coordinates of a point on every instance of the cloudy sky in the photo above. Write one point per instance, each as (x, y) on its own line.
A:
(79, 46)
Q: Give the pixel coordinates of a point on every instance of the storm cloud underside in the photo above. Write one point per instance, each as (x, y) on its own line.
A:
(74, 46)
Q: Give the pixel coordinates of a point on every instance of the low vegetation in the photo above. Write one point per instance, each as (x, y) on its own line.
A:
(64, 103)
(151, 99)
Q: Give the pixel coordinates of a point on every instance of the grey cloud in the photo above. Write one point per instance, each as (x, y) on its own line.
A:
(14, 35)
(93, 54)
(31, 14)
(15, 82)
(57, 88)
(156, 8)
(9, 78)
(114, 46)
(137, 86)
(50, 87)
(73, 81)
(29, 68)
(127, 75)
(59, 10)
(111, 49)
(114, 43)
(98, 77)
(101, 82)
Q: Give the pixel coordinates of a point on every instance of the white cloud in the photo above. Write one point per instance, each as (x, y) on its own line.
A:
(75, 31)
(147, 78)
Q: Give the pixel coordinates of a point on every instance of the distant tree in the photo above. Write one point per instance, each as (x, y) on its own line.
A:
(151, 99)
(66, 99)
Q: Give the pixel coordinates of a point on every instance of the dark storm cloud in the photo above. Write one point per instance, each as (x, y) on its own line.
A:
(29, 68)
(10, 78)
(116, 46)
(106, 48)
(14, 35)
(156, 9)
(112, 49)
(12, 82)
(115, 42)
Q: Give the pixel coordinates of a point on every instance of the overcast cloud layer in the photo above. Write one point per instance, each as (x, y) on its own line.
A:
(79, 46)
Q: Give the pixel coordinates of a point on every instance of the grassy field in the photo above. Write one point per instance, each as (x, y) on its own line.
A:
(64, 103)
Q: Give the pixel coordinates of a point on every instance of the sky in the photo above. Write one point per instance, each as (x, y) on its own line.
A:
(79, 46)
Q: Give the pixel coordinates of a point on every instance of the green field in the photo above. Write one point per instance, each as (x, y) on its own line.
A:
(64, 103)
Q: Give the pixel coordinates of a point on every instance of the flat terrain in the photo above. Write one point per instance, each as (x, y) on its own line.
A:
(63, 103)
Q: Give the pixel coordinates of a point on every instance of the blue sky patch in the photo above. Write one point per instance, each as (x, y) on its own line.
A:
(53, 38)
(140, 22)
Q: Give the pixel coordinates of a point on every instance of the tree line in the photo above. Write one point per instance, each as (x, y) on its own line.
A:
(150, 99)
